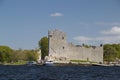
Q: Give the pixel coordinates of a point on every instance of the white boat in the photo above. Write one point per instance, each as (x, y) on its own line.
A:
(49, 63)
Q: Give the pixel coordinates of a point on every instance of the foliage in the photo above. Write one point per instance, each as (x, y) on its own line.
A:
(111, 52)
(8, 55)
(5, 54)
(26, 55)
(43, 44)
(32, 55)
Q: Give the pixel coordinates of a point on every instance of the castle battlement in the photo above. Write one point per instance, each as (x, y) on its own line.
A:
(60, 48)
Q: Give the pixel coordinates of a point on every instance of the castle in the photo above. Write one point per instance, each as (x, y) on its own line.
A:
(61, 50)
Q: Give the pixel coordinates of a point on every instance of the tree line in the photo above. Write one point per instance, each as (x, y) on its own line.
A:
(9, 55)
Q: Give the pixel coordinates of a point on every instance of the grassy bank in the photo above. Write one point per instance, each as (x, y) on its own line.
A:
(15, 63)
(82, 61)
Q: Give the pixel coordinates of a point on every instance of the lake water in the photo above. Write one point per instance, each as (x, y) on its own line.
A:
(59, 73)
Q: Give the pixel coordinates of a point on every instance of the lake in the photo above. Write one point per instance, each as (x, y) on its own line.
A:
(59, 73)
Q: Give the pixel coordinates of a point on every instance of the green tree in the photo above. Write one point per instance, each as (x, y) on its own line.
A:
(111, 52)
(5, 54)
(24, 55)
(20, 55)
(32, 55)
(43, 44)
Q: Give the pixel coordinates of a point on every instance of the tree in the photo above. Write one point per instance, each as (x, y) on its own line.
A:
(25, 55)
(111, 52)
(43, 44)
(32, 55)
(18, 55)
(5, 54)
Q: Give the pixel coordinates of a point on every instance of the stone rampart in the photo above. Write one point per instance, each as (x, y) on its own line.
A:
(60, 49)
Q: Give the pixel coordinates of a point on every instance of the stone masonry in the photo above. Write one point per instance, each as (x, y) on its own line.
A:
(61, 50)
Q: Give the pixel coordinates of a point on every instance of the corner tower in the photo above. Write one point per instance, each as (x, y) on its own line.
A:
(57, 43)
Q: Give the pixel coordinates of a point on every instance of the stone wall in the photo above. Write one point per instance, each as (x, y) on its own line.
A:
(60, 49)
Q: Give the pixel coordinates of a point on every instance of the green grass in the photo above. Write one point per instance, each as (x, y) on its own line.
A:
(82, 61)
(16, 63)
(79, 61)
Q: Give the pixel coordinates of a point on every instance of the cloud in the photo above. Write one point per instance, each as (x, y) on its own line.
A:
(82, 38)
(87, 40)
(113, 31)
(100, 24)
(56, 14)
(97, 40)
(108, 39)
(107, 23)
(110, 36)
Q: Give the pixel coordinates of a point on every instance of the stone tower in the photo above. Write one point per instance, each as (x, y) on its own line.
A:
(57, 44)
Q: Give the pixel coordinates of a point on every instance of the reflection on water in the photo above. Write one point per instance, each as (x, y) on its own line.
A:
(59, 73)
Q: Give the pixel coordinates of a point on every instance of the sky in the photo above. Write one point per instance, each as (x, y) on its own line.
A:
(24, 22)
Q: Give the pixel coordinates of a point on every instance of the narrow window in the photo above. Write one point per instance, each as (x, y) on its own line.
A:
(63, 47)
(62, 37)
(50, 35)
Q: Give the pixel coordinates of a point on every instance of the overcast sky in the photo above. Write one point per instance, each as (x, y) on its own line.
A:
(24, 22)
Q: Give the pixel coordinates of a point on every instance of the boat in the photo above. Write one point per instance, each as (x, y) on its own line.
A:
(49, 63)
